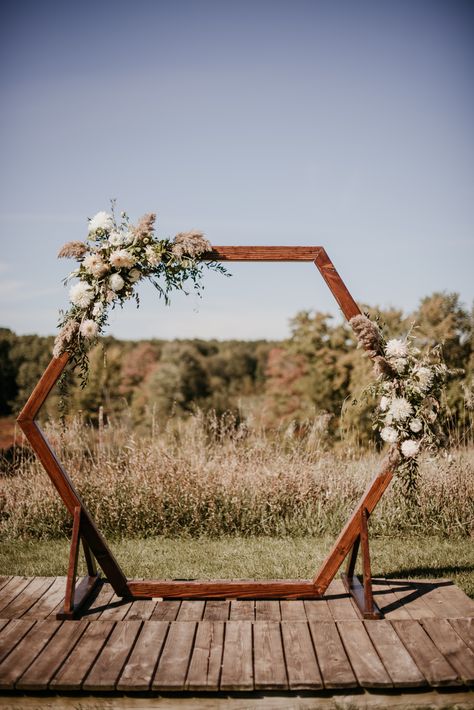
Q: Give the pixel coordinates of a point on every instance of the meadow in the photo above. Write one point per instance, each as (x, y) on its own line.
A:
(209, 496)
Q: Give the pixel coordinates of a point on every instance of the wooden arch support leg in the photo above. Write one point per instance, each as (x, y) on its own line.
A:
(74, 598)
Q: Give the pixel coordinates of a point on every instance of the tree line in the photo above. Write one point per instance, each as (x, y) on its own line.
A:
(314, 380)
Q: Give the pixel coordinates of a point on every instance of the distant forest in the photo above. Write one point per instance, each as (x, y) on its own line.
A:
(314, 378)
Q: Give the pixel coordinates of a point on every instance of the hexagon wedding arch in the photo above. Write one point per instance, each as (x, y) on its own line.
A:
(353, 536)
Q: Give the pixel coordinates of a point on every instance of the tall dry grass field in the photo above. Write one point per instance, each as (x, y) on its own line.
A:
(213, 477)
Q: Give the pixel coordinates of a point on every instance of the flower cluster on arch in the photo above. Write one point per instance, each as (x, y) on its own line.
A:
(409, 388)
(112, 260)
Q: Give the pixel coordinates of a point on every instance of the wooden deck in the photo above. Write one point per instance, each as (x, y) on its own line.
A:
(425, 640)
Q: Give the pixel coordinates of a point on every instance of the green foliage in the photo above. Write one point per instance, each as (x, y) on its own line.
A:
(313, 380)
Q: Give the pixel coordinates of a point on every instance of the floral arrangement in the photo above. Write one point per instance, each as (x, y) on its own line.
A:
(409, 388)
(112, 260)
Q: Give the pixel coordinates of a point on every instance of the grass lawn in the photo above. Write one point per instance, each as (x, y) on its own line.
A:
(258, 558)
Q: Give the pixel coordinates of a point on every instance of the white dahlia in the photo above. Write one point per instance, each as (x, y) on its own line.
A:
(89, 328)
(400, 408)
(116, 282)
(94, 265)
(416, 425)
(389, 434)
(81, 294)
(102, 220)
(424, 375)
(410, 448)
(396, 348)
(122, 259)
(116, 239)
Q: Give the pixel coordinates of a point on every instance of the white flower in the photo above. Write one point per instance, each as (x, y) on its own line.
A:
(134, 275)
(400, 408)
(89, 328)
(97, 310)
(416, 425)
(111, 295)
(116, 282)
(424, 376)
(128, 238)
(400, 364)
(94, 265)
(396, 348)
(389, 434)
(122, 259)
(81, 294)
(152, 257)
(384, 403)
(102, 220)
(410, 448)
(115, 239)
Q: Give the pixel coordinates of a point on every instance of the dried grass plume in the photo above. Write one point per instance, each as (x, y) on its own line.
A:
(190, 244)
(72, 250)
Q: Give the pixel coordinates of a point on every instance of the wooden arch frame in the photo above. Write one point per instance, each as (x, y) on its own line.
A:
(353, 535)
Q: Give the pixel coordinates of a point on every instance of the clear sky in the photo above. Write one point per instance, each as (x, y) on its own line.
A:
(341, 123)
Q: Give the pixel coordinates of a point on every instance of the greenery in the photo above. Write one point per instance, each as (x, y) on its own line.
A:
(258, 558)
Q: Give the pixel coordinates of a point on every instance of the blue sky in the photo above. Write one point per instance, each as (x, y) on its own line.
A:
(345, 124)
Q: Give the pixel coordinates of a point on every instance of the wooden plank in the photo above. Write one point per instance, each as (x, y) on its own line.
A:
(301, 664)
(269, 659)
(47, 663)
(453, 648)
(141, 609)
(29, 596)
(317, 610)
(292, 610)
(426, 655)
(241, 609)
(447, 600)
(366, 664)
(140, 667)
(400, 666)
(267, 610)
(412, 595)
(25, 652)
(47, 604)
(116, 610)
(465, 629)
(335, 667)
(191, 610)
(237, 667)
(216, 610)
(387, 601)
(173, 664)
(106, 670)
(12, 590)
(225, 589)
(12, 634)
(262, 253)
(336, 285)
(100, 604)
(3, 623)
(166, 610)
(4, 579)
(340, 602)
(76, 666)
(205, 666)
